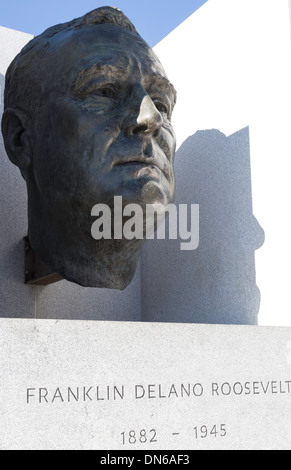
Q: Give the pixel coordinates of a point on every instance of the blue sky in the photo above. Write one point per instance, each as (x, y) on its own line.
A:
(154, 19)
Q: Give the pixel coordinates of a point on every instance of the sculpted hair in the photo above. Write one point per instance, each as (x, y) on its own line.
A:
(27, 67)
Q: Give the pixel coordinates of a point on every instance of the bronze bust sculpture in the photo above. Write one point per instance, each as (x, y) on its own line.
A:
(87, 116)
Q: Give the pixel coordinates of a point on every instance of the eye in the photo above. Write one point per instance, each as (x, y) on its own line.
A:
(161, 106)
(105, 91)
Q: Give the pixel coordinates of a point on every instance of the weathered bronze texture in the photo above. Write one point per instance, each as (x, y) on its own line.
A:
(87, 116)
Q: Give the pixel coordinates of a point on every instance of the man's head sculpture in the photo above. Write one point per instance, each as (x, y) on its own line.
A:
(87, 115)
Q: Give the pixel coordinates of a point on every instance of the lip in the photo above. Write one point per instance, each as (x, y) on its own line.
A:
(143, 162)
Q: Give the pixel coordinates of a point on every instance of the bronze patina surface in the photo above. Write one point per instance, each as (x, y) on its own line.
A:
(87, 116)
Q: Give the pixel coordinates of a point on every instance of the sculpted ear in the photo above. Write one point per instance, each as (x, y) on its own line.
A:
(17, 137)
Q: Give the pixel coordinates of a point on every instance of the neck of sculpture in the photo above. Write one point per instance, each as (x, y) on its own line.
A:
(69, 249)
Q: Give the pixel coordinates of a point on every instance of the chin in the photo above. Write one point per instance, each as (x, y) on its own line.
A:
(154, 193)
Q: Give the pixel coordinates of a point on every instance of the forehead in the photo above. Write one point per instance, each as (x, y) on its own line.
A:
(106, 49)
(105, 43)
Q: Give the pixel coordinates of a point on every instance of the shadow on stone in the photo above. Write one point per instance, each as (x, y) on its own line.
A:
(217, 282)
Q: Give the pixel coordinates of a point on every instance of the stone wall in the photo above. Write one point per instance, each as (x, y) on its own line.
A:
(230, 62)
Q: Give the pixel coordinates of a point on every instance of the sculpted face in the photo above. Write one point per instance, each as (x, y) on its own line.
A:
(108, 124)
(103, 130)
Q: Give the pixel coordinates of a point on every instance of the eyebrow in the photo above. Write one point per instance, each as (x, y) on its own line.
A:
(118, 72)
(163, 82)
(97, 69)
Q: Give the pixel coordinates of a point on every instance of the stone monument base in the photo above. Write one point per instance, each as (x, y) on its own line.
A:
(131, 386)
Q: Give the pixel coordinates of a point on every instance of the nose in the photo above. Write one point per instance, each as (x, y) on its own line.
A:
(148, 121)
